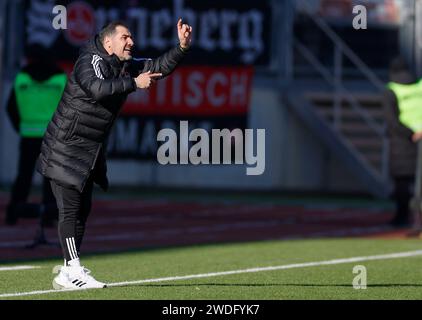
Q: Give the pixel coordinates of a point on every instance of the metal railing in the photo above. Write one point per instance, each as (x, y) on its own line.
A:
(335, 79)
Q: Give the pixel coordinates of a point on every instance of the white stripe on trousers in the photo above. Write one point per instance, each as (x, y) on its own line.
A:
(72, 242)
(71, 248)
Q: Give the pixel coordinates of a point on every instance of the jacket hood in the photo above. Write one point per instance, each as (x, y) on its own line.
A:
(94, 46)
(403, 77)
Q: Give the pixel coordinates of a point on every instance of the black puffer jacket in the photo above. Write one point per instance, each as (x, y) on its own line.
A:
(73, 147)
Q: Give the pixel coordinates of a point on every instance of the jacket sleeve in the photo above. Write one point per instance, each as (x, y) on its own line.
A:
(12, 110)
(166, 63)
(88, 75)
(392, 113)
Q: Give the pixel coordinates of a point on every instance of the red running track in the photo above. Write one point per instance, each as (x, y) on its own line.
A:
(116, 226)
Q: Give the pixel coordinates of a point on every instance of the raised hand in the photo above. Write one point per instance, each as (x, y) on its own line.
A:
(144, 80)
(184, 32)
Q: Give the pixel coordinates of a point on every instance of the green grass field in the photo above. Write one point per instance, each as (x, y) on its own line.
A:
(387, 278)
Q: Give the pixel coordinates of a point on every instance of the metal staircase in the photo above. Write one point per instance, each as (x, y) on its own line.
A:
(349, 120)
(351, 126)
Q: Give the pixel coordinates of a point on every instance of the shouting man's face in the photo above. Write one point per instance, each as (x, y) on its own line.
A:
(120, 43)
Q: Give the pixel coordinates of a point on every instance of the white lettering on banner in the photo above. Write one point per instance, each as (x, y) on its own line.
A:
(194, 96)
(239, 87)
(140, 15)
(39, 27)
(216, 78)
(160, 22)
(253, 19)
(228, 19)
(195, 90)
(188, 14)
(209, 23)
(222, 29)
(214, 29)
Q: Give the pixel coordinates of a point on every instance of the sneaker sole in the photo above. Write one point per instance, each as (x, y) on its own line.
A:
(58, 286)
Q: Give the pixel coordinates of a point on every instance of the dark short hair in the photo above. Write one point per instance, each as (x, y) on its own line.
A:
(110, 29)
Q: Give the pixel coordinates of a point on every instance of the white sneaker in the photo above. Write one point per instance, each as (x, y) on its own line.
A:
(61, 281)
(76, 277)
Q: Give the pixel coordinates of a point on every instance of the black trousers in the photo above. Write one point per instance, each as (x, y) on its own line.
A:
(74, 208)
(402, 196)
(29, 151)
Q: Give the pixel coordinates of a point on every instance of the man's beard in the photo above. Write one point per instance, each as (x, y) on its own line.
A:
(123, 59)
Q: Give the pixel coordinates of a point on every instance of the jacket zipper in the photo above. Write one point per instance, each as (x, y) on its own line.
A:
(70, 133)
(92, 167)
(96, 156)
(98, 151)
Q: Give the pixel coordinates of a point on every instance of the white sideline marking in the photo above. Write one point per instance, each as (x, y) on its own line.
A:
(224, 273)
(18, 268)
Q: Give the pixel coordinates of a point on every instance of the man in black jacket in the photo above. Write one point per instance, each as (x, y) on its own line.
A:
(73, 149)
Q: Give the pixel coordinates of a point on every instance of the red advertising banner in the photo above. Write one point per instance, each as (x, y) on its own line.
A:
(195, 91)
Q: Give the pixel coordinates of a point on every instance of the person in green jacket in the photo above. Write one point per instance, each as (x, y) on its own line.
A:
(403, 114)
(34, 98)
